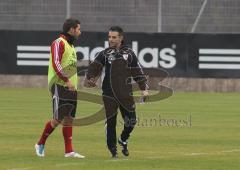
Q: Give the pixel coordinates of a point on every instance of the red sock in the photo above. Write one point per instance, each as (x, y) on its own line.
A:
(47, 131)
(67, 134)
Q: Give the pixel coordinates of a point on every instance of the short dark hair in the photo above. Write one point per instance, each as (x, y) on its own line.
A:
(117, 29)
(70, 23)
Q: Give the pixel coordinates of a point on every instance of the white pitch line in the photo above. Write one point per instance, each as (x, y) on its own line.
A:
(116, 160)
(186, 154)
(212, 153)
(68, 164)
(195, 154)
(27, 168)
(230, 151)
(155, 157)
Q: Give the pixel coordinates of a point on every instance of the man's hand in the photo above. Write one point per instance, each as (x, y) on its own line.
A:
(91, 82)
(144, 97)
(70, 86)
(145, 93)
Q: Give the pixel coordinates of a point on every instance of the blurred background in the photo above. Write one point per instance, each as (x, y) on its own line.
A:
(171, 16)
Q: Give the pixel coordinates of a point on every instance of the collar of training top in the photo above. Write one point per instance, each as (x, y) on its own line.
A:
(124, 49)
(70, 39)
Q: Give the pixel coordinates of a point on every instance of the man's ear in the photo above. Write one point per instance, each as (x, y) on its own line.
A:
(71, 30)
(121, 37)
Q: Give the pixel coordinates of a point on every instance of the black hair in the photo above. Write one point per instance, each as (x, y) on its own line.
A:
(70, 23)
(117, 29)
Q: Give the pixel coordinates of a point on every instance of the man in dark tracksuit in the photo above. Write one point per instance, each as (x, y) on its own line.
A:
(121, 65)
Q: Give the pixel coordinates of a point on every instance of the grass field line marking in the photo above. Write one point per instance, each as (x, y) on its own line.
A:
(67, 164)
(155, 157)
(190, 154)
(216, 152)
(27, 168)
(230, 151)
(194, 154)
(116, 160)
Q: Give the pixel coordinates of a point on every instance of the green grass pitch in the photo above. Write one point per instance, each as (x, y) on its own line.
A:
(188, 131)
